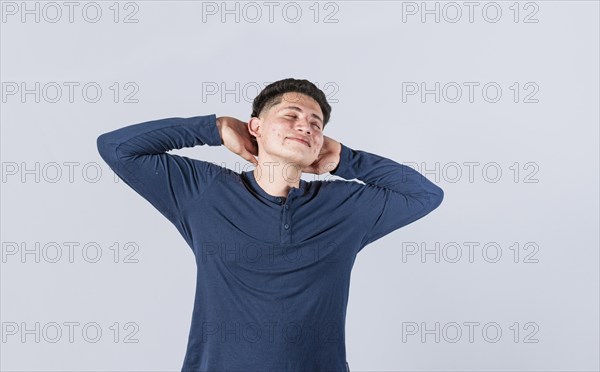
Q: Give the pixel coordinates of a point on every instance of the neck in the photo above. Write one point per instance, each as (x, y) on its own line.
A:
(277, 177)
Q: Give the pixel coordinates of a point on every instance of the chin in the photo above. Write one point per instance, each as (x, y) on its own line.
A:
(294, 156)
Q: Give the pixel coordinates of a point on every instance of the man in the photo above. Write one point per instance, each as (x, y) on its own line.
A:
(273, 252)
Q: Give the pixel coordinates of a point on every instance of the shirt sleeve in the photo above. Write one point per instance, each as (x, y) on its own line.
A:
(138, 155)
(394, 195)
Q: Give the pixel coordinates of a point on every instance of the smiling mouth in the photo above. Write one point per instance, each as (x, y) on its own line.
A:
(299, 140)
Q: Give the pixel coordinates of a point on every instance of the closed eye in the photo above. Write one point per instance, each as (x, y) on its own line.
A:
(295, 116)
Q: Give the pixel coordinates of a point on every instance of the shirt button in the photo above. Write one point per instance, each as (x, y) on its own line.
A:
(287, 206)
(286, 226)
(278, 200)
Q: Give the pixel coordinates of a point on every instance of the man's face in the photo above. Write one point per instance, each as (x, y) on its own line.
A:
(281, 129)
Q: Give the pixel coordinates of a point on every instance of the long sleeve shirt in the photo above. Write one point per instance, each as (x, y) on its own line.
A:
(273, 273)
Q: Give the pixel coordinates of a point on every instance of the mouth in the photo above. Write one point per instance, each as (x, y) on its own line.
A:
(299, 140)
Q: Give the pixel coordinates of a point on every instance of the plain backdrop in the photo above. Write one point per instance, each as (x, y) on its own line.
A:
(516, 237)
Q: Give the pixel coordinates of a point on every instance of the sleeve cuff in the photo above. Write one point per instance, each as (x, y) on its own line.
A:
(209, 123)
(342, 169)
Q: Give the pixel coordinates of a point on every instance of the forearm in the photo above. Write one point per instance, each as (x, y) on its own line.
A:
(138, 155)
(395, 195)
(382, 172)
(158, 136)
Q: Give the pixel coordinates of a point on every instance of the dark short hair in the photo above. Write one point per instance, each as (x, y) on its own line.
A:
(271, 95)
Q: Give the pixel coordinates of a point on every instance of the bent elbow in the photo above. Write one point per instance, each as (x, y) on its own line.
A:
(437, 197)
(106, 148)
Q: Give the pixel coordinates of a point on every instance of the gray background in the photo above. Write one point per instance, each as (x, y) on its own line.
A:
(361, 62)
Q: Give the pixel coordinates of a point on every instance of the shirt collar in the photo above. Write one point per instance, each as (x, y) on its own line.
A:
(249, 176)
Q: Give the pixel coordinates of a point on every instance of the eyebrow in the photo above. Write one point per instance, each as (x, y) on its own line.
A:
(296, 108)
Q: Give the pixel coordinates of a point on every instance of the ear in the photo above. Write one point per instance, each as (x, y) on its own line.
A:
(254, 126)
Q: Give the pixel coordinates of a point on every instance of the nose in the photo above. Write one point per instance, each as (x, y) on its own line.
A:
(303, 125)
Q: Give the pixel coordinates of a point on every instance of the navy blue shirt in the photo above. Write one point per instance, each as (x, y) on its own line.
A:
(273, 273)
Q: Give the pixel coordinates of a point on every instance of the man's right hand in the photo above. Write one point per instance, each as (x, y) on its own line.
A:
(236, 137)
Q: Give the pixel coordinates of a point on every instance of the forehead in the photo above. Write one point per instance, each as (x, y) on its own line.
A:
(307, 103)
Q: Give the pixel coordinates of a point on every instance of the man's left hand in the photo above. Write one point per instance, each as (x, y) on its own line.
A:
(328, 158)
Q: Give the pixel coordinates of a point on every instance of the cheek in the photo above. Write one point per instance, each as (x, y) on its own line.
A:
(276, 133)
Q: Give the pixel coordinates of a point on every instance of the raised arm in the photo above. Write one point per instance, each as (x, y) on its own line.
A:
(138, 155)
(394, 194)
